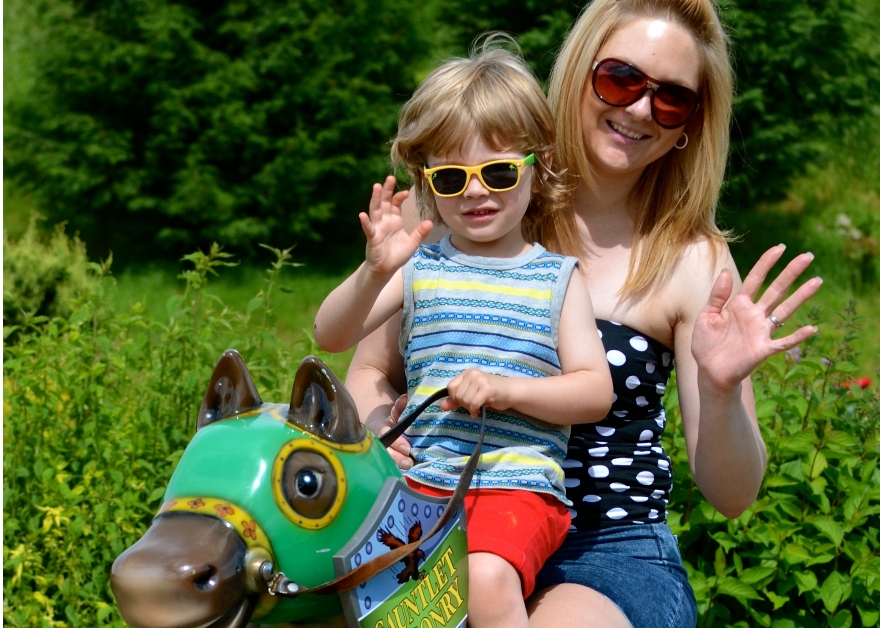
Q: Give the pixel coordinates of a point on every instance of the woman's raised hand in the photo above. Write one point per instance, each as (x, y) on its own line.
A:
(731, 338)
(389, 246)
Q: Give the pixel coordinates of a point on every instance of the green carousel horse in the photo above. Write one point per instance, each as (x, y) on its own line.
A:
(270, 509)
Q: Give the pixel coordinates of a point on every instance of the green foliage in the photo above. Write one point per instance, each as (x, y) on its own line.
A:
(838, 209)
(162, 124)
(807, 553)
(43, 278)
(806, 70)
(98, 407)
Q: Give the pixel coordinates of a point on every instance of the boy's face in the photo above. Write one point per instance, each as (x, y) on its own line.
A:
(483, 222)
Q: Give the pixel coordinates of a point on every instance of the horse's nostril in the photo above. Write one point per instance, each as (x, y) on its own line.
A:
(205, 579)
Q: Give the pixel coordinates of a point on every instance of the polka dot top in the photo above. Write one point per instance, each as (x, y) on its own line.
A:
(616, 471)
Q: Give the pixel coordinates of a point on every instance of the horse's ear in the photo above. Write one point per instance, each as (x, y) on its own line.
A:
(231, 391)
(321, 405)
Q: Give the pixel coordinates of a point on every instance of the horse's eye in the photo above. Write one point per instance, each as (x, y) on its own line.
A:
(309, 483)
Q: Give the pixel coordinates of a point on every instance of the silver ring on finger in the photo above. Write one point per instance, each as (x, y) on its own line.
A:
(776, 322)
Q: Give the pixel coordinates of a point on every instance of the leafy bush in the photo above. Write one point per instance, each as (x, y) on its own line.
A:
(98, 408)
(171, 123)
(43, 278)
(807, 553)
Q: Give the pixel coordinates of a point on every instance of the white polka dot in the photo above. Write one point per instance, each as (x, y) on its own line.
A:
(663, 464)
(616, 358)
(620, 413)
(599, 471)
(638, 343)
(657, 450)
(646, 435)
(597, 452)
(568, 463)
(572, 482)
(641, 402)
(613, 397)
(638, 498)
(573, 513)
(652, 514)
(613, 323)
(643, 444)
(601, 442)
(657, 494)
(592, 498)
(600, 333)
(618, 487)
(641, 453)
(622, 462)
(650, 366)
(633, 382)
(604, 431)
(666, 357)
(617, 513)
(660, 421)
(661, 388)
(639, 523)
(644, 477)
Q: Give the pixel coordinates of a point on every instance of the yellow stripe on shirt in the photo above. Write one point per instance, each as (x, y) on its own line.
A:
(443, 284)
(518, 459)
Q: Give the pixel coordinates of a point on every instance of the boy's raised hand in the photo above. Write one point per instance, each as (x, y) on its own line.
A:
(389, 246)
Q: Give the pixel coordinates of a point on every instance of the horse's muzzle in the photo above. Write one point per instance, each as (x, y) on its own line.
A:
(187, 571)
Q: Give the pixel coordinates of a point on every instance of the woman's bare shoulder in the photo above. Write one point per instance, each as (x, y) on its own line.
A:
(694, 273)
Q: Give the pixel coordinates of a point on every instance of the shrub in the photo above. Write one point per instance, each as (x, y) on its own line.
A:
(43, 278)
(98, 408)
(164, 124)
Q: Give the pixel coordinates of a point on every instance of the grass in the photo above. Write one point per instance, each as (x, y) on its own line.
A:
(298, 296)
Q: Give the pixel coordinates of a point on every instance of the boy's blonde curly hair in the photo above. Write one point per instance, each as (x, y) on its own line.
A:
(491, 94)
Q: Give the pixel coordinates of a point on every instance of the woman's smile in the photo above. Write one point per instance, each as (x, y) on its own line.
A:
(627, 132)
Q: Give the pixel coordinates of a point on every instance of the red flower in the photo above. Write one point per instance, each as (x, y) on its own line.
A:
(224, 510)
(196, 503)
(861, 382)
(250, 529)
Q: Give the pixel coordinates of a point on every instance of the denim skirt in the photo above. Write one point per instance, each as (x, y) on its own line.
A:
(638, 567)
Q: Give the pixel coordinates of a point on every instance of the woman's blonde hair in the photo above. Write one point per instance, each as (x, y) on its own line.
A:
(493, 95)
(677, 195)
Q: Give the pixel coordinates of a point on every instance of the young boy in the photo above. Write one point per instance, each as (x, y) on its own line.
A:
(496, 319)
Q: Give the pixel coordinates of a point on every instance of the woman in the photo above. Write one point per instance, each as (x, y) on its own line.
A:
(642, 93)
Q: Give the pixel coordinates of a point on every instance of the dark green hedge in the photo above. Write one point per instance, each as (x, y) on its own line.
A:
(163, 124)
(158, 124)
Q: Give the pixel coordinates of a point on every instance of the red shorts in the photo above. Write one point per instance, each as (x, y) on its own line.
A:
(522, 527)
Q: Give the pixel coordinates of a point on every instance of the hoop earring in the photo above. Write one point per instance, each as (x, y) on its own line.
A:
(685, 142)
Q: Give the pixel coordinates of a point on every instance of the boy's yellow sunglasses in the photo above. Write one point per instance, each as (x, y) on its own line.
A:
(496, 176)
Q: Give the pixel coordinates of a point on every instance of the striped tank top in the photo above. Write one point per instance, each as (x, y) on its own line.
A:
(498, 315)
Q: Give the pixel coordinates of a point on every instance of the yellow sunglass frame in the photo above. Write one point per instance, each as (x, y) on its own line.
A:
(477, 170)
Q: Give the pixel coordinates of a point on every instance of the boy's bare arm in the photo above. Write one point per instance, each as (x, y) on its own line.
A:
(582, 394)
(375, 291)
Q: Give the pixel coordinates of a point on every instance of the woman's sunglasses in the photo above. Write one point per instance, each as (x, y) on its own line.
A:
(619, 84)
(496, 176)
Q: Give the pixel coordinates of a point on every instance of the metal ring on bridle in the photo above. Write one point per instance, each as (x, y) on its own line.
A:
(775, 321)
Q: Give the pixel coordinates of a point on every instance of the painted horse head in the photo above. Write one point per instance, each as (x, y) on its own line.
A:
(259, 483)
